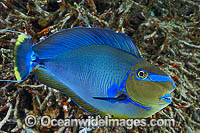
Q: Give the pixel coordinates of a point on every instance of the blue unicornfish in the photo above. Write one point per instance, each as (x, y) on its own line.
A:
(101, 70)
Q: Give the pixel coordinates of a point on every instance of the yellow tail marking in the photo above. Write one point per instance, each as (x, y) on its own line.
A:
(20, 39)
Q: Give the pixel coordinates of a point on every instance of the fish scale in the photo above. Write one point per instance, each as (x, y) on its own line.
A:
(89, 69)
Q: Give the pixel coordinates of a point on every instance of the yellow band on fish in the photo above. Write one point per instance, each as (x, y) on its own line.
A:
(19, 41)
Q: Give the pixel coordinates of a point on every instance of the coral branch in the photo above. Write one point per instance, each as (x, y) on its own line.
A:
(7, 115)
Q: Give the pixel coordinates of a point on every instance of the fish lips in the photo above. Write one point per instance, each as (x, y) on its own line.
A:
(167, 98)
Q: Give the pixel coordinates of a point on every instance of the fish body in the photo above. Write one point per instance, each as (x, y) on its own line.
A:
(100, 70)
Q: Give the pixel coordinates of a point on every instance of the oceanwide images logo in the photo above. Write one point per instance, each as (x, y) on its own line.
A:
(46, 121)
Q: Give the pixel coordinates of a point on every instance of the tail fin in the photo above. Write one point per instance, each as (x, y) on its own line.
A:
(23, 56)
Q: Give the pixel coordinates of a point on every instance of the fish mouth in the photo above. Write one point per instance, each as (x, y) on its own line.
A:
(167, 98)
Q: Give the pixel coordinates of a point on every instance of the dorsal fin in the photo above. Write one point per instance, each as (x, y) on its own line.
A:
(73, 38)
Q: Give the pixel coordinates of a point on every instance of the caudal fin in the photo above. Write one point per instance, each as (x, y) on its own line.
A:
(23, 56)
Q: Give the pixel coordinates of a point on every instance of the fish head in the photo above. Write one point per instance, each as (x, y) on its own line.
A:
(149, 86)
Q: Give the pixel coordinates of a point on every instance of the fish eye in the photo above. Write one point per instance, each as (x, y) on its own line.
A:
(141, 74)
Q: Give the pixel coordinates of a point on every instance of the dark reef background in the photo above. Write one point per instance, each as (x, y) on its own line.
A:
(167, 33)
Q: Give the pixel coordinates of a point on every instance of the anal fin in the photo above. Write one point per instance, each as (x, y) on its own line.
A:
(50, 80)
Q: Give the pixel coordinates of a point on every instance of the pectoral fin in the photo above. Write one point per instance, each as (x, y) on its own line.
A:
(119, 98)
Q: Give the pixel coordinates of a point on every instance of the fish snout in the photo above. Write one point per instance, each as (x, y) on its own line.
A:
(166, 86)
